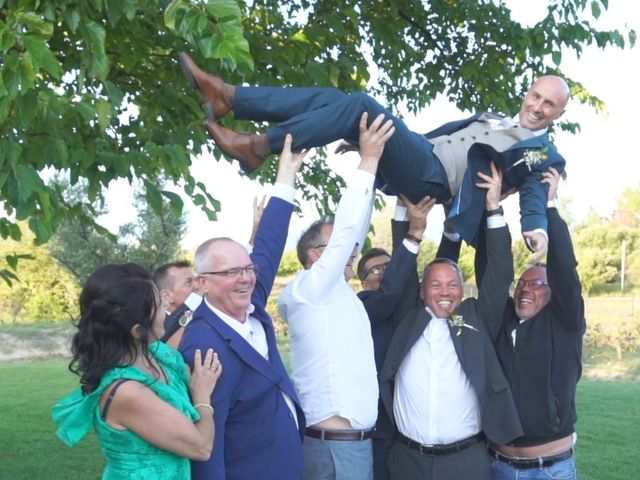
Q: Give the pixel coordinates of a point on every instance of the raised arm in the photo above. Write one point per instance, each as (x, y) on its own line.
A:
(566, 289)
(493, 290)
(400, 275)
(533, 217)
(273, 227)
(352, 214)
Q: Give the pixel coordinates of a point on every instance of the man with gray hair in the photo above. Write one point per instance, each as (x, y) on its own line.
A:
(332, 357)
(258, 419)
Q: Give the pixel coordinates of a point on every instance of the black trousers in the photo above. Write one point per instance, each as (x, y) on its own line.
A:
(472, 463)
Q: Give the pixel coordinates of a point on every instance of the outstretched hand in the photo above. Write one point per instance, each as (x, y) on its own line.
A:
(258, 210)
(493, 184)
(290, 162)
(418, 214)
(372, 141)
(539, 243)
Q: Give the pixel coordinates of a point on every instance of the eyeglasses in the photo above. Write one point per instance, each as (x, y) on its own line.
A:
(377, 269)
(235, 272)
(535, 284)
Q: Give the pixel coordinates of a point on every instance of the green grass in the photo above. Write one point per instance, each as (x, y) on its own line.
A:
(607, 449)
(608, 430)
(29, 446)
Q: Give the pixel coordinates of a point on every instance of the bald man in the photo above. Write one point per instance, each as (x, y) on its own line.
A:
(441, 164)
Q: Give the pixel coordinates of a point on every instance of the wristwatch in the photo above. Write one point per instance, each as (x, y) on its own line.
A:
(495, 211)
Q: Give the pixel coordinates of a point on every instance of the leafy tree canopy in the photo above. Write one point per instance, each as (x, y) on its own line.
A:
(92, 88)
(151, 240)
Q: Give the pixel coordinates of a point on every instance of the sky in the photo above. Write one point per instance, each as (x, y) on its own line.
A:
(601, 158)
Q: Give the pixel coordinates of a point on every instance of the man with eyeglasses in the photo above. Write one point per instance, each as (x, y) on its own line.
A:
(332, 362)
(258, 418)
(539, 344)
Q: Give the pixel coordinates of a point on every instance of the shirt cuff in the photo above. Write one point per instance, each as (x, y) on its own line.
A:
(496, 221)
(412, 247)
(539, 230)
(552, 204)
(284, 192)
(453, 236)
(402, 214)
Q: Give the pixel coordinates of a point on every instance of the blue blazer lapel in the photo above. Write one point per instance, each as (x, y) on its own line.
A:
(243, 349)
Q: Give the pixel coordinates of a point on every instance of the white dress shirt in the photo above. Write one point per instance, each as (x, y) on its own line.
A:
(434, 403)
(253, 332)
(333, 367)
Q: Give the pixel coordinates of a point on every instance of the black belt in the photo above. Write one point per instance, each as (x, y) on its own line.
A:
(342, 435)
(538, 462)
(443, 449)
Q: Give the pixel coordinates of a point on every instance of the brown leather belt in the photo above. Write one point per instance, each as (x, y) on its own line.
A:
(537, 462)
(443, 449)
(340, 435)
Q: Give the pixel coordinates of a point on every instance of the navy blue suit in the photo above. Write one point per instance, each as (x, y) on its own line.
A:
(318, 116)
(256, 434)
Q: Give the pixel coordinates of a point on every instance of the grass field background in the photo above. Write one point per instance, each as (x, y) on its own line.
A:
(608, 429)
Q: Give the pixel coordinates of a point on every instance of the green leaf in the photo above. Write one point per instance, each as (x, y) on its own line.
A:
(129, 8)
(595, 9)
(26, 75)
(556, 56)
(7, 39)
(223, 9)
(27, 180)
(43, 229)
(153, 196)
(94, 35)
(114, 11)
(35, 23)
(115, 94)
(171, 13)
(175, 201)
(72, 18)
(104, 114)
(26, 106)
(42, 56)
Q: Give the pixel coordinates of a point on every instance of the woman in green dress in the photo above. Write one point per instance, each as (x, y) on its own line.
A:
(150, 416)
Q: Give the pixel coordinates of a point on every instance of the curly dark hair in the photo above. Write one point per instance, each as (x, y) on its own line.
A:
(114, 299)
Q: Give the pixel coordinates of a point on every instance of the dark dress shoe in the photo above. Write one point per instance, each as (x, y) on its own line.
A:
(210, 87)
(236, 145)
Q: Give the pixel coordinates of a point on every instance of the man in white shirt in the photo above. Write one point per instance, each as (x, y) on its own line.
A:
(332, 360)
(441, 382)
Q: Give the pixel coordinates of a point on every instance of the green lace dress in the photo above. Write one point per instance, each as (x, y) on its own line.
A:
(128, 455)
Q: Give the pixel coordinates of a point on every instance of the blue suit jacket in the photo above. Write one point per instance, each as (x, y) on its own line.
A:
(256, 434)
(468, 203)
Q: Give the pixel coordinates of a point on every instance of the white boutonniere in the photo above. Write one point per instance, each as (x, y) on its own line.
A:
(532, 157)
(456, 321)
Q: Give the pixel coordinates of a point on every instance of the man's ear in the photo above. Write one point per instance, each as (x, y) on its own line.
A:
(312, 256)
(166, 295)
(136, 331)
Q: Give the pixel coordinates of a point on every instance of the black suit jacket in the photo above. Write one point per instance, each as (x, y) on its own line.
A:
(500, 421)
